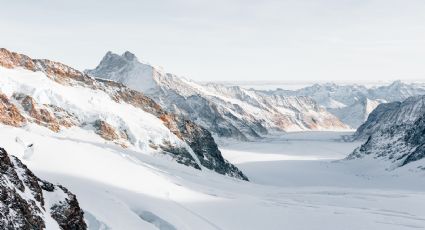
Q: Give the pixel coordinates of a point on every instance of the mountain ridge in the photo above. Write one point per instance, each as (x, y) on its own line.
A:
(225, 111)
(352, 104)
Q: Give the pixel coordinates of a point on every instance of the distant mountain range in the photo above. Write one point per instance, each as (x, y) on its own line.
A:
(226, 111)
(352, 104)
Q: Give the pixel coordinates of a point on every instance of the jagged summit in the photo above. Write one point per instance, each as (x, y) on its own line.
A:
(125, 69)
(129, 56)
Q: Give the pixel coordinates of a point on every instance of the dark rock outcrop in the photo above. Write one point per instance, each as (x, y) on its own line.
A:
(202, 143)
(395, 133)
(23, 203)
(390, 114)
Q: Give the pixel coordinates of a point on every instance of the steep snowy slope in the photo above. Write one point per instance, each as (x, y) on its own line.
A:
(353, 103)
(27, 202)
(395, 134)
(225, 111)
(58, 97)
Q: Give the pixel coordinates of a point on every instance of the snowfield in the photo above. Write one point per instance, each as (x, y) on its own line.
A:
(295, 184)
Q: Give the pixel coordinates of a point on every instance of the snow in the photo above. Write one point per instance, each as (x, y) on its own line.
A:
(298, 180)
(295, 184)
(89, 105)
(352, 103)
(128, 70)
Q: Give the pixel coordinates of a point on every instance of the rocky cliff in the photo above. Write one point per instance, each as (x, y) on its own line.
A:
(27, 202)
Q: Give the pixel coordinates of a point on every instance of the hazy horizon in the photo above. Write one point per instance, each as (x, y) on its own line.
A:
(292, 41)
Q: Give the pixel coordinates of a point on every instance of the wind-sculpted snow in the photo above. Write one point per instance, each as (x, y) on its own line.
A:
(59, 97)
(27, 202)
(226, 111)
(353, 103)
(395, 133)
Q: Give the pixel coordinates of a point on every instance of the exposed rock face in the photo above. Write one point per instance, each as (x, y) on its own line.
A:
(395, 133)
(105, 130)
(68, 213)
(181, 155)
(202, 143)
(11, 60)
(57, 71)
(9, 113)
(199, 139)
(40, 116)
(390, 114)
(225, 111)
(63, 117)
(49, 116)
(209, 115)
(56, 117)
(415, 136)
(24, 203)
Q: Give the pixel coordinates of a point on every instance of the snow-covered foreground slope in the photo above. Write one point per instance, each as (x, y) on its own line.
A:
(122, 189)
(226, 111)
(353, 103)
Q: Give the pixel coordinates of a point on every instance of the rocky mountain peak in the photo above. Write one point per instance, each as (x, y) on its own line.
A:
(112, 58)
(129, 56)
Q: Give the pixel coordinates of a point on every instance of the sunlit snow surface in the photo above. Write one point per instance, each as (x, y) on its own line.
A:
(295, 184)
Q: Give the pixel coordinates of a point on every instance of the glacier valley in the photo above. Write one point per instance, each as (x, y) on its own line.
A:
(298, 181)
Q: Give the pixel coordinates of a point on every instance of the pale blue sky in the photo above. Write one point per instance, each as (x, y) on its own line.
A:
(295, 40)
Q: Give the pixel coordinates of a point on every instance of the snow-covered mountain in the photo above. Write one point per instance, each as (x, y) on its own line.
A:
(58, 97)
(225, 111)
(395, 134)
(353, 103)
(387, 115)
(28, 202)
